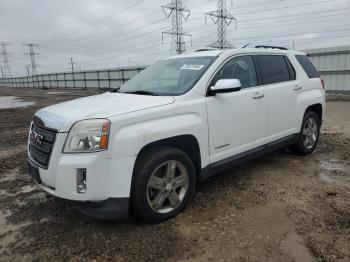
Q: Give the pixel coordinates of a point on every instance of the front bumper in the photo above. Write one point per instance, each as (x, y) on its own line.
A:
(109, 209)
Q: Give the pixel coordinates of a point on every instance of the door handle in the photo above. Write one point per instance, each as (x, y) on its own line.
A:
(297, 88)
(258, 96)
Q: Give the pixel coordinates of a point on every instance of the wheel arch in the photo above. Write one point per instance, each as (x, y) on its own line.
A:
(317, 108)
(186, 143)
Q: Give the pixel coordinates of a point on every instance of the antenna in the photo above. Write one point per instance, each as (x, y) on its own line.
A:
(6, 71)
(222, 18)
(177, 11)
(32, 55)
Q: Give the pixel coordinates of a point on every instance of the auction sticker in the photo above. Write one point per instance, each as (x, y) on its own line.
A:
(192, 67)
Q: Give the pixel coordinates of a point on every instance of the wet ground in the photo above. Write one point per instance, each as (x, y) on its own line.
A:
(280, 207)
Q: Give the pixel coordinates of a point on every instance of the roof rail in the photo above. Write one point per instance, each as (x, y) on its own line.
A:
(205, 49)
(272, 47)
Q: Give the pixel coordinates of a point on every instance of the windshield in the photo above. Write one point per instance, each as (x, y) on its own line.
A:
(169, 77)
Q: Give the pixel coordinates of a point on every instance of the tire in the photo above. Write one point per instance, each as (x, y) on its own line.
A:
(160, 175)
(302, 147)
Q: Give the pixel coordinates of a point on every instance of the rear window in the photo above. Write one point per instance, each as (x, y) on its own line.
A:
(309, 68)
(273, 69)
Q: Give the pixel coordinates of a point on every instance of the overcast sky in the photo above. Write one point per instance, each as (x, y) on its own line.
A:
(113, 33)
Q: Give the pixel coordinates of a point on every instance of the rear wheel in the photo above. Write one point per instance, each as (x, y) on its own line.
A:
(309, 134)
(164, 181)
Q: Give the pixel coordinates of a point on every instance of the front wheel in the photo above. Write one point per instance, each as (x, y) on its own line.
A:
(164, 181)
(309, 134)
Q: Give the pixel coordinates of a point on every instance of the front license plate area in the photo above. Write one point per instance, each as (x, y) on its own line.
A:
(34, 172)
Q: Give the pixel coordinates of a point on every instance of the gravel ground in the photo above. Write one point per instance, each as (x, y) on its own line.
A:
(280, 207)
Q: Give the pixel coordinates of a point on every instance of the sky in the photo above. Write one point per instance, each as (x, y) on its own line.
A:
(100, 34)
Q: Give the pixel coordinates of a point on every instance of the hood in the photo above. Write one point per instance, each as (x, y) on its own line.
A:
(62, 116)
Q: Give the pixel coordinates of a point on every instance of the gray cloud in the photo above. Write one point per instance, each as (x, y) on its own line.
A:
(106, 33)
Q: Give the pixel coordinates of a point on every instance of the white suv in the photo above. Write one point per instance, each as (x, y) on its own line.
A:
(141, 149)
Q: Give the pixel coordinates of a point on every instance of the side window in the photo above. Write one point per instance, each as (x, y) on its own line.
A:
(308, 66)
(273, 69)
(291, 69)
(241, 68)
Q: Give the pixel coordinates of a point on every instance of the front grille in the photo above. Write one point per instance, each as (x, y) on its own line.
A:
(41, 141)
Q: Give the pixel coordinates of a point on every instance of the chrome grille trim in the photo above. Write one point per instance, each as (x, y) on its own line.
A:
(41, 142)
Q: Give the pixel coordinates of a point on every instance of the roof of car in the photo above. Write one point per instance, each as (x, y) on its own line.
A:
(218, 52)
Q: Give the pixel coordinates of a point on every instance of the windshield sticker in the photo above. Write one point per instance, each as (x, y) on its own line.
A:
(192, 67)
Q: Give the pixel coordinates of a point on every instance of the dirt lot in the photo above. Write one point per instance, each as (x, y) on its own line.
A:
(280, 207)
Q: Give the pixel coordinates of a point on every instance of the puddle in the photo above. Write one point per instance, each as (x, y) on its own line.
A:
(334, 171)
(55, 93)
(294, 246)
(7, 102)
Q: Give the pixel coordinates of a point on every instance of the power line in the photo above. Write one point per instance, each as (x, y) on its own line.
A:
(110, 48)
(6, 70)
(32, 55)
(95, 22)
(177, 11)
(93, 48)
(95, 34)
(222, 18)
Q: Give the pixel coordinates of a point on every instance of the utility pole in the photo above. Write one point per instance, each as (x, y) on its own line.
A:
(2, 72)
(177, 11)
(72, 64)
(32, 55)
(222, 18)
(6, 71)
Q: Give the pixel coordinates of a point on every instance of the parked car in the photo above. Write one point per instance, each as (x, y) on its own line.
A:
(141, 149)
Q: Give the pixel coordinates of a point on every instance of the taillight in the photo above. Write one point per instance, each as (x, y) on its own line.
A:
(322, 82)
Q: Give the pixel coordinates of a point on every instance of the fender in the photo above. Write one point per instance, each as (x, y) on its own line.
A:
(307, 99)
(129, 140)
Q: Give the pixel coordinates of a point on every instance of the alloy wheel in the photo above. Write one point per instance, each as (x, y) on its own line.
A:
(167, 186)
(310, 132)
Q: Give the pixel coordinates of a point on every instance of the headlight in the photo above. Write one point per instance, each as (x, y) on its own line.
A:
(88, 136)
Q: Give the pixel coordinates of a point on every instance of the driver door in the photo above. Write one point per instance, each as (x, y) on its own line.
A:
(237, 120)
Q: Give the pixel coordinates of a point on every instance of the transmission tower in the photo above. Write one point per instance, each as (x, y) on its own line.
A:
(32, 55)
(27, 70)
(6, 71)
(222, 18)
(2, 72)
(178, 12)
(72, 64)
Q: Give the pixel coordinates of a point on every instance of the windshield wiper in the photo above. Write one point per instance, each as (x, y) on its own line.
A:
(141, 92)
(115, 90)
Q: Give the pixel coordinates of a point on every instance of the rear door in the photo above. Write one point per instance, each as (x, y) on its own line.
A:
(279, 80)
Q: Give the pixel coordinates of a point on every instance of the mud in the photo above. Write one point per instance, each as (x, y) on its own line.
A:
(280, 207)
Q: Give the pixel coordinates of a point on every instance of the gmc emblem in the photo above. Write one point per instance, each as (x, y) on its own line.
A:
(37, 139)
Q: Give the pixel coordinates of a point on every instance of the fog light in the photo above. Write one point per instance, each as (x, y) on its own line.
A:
(81, 180)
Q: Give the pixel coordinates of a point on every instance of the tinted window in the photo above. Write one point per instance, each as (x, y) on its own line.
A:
(291, 69)
(241, 68)
(308, 66)
(273, 69)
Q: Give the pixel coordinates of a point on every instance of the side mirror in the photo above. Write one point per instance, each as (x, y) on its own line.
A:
(226, 86)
